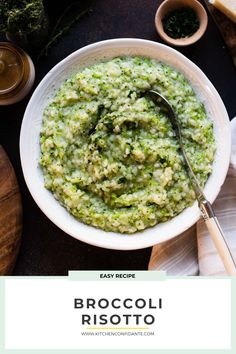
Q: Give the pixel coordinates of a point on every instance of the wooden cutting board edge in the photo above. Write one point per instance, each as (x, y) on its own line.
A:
(10, 215)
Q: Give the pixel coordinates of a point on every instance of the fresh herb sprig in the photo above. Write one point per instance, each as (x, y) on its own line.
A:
(181, 22)
(57, 32)
(24, 21)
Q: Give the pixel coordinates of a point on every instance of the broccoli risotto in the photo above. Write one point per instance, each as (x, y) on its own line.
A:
(109, 154)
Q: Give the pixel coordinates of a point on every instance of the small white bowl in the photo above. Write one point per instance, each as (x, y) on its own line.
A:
(30, 148)
(170, 5)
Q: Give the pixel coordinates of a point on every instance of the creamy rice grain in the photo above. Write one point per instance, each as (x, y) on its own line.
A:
(110, 156)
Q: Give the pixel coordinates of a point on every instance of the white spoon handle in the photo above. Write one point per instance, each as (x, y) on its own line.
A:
(217, 236)
(221, 245)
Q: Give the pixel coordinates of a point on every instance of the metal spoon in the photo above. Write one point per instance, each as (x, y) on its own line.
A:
(205, 206)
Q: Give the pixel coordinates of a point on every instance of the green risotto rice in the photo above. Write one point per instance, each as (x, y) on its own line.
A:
(110, 156)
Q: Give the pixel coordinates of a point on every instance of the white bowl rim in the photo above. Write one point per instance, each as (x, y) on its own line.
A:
(145, 238)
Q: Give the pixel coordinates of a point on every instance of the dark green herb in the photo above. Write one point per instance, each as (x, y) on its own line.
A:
(61, 28)
(122, 180)
(24, 21)
(180, 23)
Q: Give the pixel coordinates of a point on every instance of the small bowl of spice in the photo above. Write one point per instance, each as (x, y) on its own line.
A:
(181, 22)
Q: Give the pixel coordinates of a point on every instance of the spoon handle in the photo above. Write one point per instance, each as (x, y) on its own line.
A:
(218, 237)
(207, 211)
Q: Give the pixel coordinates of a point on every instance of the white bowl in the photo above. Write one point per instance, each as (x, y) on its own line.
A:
(30, 148)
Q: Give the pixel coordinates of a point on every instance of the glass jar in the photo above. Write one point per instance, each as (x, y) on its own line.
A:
(16, 73)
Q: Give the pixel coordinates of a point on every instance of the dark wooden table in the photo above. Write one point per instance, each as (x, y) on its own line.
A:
(46, 250)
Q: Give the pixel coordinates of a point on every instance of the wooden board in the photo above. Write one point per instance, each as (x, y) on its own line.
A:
(10, 215)
(226, 27)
